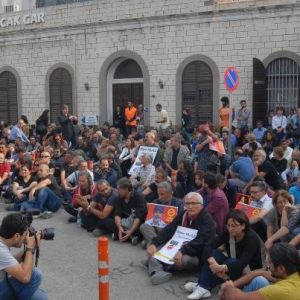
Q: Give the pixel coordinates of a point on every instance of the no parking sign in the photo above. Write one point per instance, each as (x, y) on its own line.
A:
(231, 79)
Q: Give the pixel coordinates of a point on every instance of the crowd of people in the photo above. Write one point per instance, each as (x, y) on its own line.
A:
(201, 170)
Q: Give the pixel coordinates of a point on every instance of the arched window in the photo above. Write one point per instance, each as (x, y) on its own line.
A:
(8, 98)
(197, 91)
(128, 69)
(60, 85)
(283, 83)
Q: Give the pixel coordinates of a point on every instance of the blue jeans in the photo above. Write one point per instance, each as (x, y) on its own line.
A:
(24, 291)
(207, 279)
(45, 200)
(256, 284)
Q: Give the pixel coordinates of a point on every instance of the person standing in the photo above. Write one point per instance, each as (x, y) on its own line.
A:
(42, 124)
(224, 112)
(242, 116)
(130, 117)
(279, 124)
(164, 120)
(66, 122)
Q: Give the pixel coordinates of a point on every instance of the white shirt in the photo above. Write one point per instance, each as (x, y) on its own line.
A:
(163, 114)
(265, 203)
(6, 260)
(278, 122)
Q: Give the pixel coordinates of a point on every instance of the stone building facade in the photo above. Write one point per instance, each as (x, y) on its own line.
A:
(98, 54)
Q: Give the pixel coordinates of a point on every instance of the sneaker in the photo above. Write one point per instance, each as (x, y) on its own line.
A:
(98, 232)
(144, 244)
(190, 286)
(160, 277)
(134, 240)
(72, 220)
(199, 293)
(46, 214)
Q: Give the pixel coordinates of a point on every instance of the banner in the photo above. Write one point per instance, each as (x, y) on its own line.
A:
(160, 215)
(90, 120)
(249, 210)
(217, 146)
(243, 198)
(137, 163)
(182, 236)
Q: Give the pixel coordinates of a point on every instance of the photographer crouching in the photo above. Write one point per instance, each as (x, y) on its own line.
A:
(19, 279)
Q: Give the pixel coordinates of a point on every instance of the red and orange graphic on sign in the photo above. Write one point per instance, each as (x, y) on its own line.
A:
(243, 198)
(160, 215)
(249, 210)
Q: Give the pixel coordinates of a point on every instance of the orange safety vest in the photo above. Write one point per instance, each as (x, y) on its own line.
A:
(130, 115)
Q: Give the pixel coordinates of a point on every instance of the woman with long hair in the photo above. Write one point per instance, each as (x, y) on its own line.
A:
(242, 247)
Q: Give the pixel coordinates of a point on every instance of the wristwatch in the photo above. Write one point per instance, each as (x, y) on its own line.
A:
(32, 250)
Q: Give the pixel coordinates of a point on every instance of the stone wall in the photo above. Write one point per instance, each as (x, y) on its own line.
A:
(162, 33)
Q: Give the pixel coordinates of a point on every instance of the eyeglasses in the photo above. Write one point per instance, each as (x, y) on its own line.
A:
(44, 156)
(255, 192)
(233, 225)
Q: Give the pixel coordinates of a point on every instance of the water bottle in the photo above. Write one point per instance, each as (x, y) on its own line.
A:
(78, 220)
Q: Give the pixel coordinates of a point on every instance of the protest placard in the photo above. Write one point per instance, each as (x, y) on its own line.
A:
(249, 210)
(243, 198)
(137, 163)
(182, 236)
(160, 215)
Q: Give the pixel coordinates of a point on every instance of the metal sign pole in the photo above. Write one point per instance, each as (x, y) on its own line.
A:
(230, 126)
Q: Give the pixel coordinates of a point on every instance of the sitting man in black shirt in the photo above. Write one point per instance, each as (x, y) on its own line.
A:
(130, 212)
(97, 216)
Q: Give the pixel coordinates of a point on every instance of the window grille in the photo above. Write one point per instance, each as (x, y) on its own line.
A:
(283, 84)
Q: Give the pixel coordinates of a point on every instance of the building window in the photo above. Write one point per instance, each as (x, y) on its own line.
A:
(8, 98)
(283, 84)
(60, 85)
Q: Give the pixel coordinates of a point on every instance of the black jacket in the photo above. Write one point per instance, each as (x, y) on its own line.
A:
(206, 233)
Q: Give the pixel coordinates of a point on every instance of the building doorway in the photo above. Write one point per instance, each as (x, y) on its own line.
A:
(125, 83)
(197, 92)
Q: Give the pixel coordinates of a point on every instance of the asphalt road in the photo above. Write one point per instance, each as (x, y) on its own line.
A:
(69, 267)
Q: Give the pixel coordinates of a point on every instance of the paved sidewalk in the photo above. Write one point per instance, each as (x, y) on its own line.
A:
(69, 266)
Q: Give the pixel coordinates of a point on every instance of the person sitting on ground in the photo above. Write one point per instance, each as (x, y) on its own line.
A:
(282, 212)
(284, 264)
(294, 191)
(83, 192)
(97, 215)
(288, 231)
(72, 179)
(262, 201)
(218, 205)
(242, 247)
(18, 277)
(165, 197)
(45, 158)
(146, 173)
(4, 170)
(184, 179)
(176, 153)
(21, 186)
(46, 195)
(150, 191)
(278, 161)
(265, 169)
(188, 257)
(130, 212)
(105, 172)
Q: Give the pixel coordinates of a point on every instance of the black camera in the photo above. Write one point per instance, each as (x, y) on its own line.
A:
(46, 234)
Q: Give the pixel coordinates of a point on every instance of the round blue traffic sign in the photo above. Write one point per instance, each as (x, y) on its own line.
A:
(231, 79)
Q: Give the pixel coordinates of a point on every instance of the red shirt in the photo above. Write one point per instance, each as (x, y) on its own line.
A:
(4, 168)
